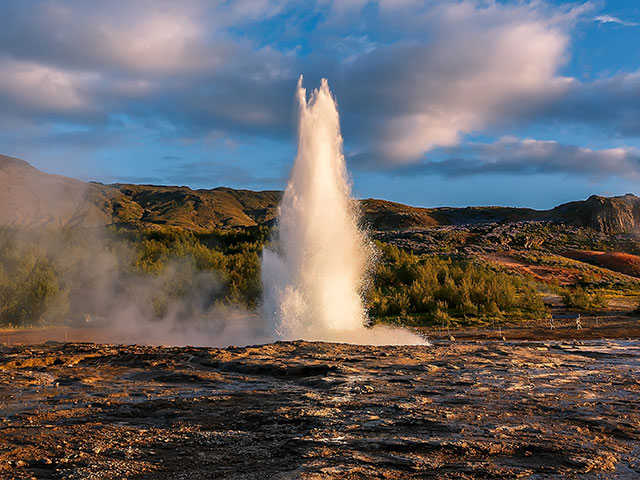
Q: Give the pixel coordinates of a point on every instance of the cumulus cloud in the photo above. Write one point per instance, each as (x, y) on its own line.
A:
(43, 88)
(411, 77)
(512, 156)
(478, 65)
(140, 37)
(609, 105)
(183, 67)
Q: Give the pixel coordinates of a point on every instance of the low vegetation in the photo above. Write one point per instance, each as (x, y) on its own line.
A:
(58, 276)
(65, 275)
(427, 289)
(581, 299)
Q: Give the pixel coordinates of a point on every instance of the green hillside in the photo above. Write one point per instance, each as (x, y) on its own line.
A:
(32, 198)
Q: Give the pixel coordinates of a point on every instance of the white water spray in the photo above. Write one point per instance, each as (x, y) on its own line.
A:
(313, 279)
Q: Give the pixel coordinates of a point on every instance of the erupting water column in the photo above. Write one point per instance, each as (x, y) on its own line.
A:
(313, 278)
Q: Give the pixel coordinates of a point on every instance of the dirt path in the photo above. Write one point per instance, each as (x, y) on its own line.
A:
(593, 328)
(610, 325)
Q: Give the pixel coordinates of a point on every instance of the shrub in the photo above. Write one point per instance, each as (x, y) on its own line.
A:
(580, 299)
(437, 286)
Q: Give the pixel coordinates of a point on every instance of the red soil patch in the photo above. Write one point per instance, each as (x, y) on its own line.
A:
(546, 274)
(616, 261)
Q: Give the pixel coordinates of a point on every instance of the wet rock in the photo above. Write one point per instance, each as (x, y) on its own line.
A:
(363, 389)
(303, 410)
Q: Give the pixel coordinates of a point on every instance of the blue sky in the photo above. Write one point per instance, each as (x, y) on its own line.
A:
(528, 103)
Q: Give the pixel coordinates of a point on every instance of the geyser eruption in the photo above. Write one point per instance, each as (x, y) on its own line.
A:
(314, 281)
(314, 277)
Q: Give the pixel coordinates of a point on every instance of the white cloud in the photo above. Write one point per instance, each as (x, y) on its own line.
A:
(615, 20)
(158, 43)
(477, 65)
(159, 37)
(513, 156)
(44, 88)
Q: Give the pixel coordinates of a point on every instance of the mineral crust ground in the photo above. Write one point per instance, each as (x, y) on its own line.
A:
(301, 410)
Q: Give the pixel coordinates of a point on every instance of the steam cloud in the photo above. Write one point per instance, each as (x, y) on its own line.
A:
(177, 305)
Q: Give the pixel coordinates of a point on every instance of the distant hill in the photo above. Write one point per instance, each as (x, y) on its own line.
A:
(145, 205)
(30, 197)
(603, 214)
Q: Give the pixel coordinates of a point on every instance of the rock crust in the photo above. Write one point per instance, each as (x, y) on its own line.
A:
(305, 410)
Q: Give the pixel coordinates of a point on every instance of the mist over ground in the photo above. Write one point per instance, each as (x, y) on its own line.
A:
(132, 290)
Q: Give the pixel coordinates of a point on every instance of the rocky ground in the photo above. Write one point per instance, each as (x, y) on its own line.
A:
(475, 409)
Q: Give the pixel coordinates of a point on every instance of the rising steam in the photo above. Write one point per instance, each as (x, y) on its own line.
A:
(313, 278)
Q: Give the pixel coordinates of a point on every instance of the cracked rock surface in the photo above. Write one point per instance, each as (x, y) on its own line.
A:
(304, 410)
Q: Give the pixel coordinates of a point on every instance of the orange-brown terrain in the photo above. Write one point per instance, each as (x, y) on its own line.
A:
(299, 410)
(616, 261)
(542, 273)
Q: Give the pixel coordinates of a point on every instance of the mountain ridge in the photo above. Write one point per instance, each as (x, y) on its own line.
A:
(33, 198)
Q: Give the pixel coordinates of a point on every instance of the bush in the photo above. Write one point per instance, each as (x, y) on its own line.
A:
(61, 274)
(431, 286)
(580, 299)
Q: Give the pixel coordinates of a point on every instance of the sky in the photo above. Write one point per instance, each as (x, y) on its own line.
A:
(442, 103)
